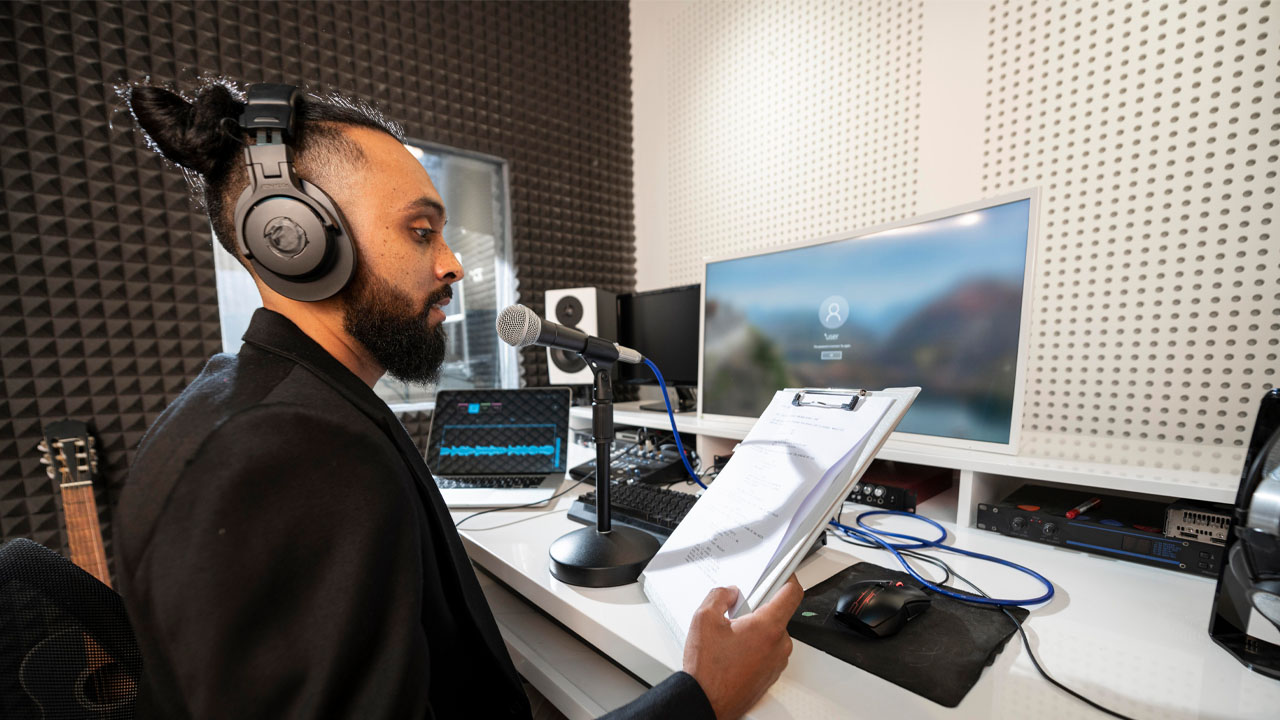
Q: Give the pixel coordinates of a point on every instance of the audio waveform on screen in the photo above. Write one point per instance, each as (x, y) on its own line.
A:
(501, 450)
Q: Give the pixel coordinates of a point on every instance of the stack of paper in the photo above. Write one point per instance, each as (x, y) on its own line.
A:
(793, 467)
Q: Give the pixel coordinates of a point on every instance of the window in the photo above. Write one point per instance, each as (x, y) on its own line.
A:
(475, 191)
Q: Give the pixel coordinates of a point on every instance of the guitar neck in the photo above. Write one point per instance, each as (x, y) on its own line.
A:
(83, 532)
(69, 454)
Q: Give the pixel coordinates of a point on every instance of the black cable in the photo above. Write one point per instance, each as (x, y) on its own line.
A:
(517, 507)
(706, 476)
(1026, 643)
(945, 568)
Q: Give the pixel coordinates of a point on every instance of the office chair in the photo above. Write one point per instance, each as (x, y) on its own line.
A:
(66, 647)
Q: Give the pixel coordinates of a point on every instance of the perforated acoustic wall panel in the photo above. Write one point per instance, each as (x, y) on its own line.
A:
(107, 300)
(788, 121)
(1152, 129)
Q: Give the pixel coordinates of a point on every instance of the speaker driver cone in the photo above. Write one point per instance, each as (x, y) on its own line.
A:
(567, 361)
(569, 311)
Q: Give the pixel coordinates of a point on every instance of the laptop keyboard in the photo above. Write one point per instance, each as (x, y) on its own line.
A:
(489, 481)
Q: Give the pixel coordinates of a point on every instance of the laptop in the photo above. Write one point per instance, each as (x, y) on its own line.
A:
(499, 448)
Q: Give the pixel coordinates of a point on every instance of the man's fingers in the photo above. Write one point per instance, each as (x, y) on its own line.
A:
(719, 601)
(782, 606)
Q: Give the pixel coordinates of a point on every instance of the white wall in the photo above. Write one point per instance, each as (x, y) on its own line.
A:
(1150, 127)
(649, 101)
(952, 88)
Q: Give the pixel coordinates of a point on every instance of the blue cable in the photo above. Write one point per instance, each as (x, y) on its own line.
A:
(672, 417)
(868, 534)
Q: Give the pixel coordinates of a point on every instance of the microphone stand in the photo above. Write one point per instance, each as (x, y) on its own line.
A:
(603, 556)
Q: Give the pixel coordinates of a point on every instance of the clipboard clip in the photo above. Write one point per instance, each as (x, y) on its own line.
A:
(854, 402)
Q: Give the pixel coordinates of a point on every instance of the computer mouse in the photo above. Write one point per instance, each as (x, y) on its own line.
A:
(880, 608)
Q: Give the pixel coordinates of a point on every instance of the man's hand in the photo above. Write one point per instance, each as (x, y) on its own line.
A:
(735, 661)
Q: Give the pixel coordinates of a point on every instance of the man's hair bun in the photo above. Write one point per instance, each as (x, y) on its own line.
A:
(196, 135)
(205, 139)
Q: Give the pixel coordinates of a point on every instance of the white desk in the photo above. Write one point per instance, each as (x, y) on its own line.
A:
(1131, 637)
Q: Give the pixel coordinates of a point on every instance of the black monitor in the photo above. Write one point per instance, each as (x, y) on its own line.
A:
(663, 326)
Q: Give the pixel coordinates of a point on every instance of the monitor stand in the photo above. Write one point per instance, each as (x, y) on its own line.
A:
(686, 401)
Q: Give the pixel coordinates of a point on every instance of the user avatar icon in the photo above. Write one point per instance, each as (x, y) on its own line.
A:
(833, 312)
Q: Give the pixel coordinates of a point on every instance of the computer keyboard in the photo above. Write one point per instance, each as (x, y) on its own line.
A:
(655, 510)
(635, 464)
(489, 481)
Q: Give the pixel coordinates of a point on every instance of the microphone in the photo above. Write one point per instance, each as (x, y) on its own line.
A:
(521, 327)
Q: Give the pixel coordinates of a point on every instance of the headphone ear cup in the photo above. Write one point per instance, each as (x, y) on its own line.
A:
(287, 237)
(291, 246)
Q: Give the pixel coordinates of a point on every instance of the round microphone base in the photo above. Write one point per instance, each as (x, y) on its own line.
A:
(589, 558)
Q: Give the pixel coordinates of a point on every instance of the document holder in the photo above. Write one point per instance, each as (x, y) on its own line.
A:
(754, 525)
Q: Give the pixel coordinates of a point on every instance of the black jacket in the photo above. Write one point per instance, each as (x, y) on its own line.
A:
(283, 552)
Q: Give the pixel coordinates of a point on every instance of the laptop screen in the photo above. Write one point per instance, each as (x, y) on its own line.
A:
(498, 432)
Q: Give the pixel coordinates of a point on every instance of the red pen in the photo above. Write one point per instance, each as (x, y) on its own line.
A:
(1083, 507)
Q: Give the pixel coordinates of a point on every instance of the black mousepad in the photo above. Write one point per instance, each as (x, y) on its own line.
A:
(939, 655)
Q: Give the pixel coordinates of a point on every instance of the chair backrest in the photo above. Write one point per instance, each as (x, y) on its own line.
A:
(66, 647)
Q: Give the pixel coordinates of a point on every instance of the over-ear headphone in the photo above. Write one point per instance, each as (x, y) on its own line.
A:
(288, 228)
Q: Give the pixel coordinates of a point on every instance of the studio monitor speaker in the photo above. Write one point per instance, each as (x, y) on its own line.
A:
(591, 310)
(1248, 592)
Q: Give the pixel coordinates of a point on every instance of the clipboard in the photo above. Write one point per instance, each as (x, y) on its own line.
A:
(753, 526)
(837, 400)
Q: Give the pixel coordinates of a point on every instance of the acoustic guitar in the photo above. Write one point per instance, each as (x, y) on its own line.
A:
(69, 674)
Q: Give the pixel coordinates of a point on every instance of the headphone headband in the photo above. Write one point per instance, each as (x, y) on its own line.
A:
(289, 229)
(271, 107)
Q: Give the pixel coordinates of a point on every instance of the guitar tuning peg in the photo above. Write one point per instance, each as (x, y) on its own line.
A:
(43, 447)
(45, 461)
(49, 471)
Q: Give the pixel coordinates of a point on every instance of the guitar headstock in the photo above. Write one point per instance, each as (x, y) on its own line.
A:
(69, 452)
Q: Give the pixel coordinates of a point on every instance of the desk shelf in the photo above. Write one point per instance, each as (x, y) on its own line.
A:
(984, 477)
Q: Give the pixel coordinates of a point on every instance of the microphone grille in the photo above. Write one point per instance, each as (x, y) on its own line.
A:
(518, 326)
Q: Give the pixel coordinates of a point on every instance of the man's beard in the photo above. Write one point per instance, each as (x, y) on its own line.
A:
(402, 340)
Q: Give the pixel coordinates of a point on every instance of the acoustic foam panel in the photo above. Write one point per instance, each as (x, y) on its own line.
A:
(107, 299)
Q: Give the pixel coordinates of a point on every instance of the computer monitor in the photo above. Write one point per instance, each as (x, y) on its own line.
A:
(663, 326)
(941, 301)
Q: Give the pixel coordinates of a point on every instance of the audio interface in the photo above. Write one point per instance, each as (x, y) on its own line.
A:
(1093, 522)
(891, 485)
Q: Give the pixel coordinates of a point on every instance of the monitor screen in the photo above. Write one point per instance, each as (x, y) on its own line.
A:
(662, 325)
(935, 303)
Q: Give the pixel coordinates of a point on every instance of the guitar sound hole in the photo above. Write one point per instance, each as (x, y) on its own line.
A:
(107, 686)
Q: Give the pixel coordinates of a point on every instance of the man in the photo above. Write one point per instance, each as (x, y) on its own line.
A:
(283, 551)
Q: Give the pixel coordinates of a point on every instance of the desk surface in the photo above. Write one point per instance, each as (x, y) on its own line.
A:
(1131, 637)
